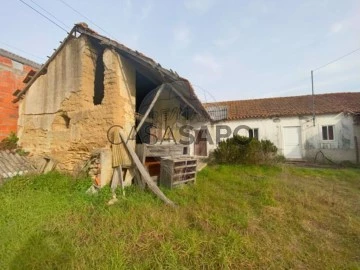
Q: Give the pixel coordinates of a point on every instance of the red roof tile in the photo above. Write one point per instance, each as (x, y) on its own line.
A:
(290, 106)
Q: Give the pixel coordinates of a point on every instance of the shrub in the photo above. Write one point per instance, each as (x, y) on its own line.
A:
(9, 143)
(243, 150)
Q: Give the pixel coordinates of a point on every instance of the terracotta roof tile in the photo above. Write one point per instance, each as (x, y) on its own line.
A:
(290, 106)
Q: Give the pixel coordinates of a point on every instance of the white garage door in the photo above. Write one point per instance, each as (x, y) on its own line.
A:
(292, 147)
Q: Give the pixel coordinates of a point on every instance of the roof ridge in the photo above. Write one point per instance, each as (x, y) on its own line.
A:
(272, 98)
(326, 103)
(18, 58)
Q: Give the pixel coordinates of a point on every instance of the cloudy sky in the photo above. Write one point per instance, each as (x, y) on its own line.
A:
(227, 49)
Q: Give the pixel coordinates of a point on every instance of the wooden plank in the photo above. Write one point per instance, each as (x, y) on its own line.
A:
(121, 178)
(16, 92)
(156, 97)
(139, 180)
(44, 66)
(185, 166)
(140, 151)
(184, 173)
(144, 173)
(184, 99)
(117, 178)
(183, 182)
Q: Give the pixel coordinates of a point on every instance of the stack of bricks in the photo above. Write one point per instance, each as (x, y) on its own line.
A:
(12, 74)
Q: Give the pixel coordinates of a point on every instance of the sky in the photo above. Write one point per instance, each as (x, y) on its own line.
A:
(229, 50)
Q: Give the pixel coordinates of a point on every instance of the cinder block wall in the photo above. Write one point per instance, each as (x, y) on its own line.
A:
(12, 74)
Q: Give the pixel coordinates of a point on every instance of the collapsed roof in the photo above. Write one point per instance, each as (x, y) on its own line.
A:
(145, 65)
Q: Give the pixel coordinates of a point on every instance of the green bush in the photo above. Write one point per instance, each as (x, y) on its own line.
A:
(10, 142)
(243, 150)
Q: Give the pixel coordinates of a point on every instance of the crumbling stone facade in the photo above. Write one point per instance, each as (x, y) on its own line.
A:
(90, 84)
(67, 111)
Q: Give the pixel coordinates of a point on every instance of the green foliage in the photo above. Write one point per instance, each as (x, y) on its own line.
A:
(242, 150)
(21, 152)
(234, 217)
(10, 142)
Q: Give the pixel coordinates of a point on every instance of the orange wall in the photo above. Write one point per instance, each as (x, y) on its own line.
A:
(11, 76)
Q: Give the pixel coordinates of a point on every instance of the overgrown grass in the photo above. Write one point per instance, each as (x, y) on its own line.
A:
(234, 217)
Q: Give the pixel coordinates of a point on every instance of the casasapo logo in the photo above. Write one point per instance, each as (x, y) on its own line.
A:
(172, 113)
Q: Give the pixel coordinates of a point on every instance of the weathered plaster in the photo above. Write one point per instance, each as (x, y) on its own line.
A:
(58, 117)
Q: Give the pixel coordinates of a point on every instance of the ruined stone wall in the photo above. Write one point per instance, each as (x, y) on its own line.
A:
(58, 117)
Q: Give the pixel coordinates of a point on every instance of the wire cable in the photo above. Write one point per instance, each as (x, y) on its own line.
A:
(52, 15)
(46, 17)
(87, 18)
(20, 50)
(337, 59)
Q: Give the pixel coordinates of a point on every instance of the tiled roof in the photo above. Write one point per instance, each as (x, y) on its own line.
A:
(290, 106)
(19, 59)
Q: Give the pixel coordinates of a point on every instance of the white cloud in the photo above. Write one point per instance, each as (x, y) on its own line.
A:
(181, 36)
(199, 5)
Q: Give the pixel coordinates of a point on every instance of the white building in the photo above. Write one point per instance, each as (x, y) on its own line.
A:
(291, 124)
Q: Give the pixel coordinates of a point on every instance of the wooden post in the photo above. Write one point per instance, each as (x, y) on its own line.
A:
(145, 174)
(117, 178)
(156, 97)
(184, 99)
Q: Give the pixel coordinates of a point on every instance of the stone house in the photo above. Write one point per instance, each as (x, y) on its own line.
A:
(13, 70)
(92, 83)
(332, 130)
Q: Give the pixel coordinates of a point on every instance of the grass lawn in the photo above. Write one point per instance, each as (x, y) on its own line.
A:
(234, 217)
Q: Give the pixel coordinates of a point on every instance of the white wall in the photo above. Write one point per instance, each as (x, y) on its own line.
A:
(340, 149)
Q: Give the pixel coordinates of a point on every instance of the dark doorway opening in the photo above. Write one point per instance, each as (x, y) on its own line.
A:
(144, 87)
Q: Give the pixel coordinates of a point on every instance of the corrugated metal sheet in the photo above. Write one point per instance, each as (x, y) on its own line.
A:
(12, 164)
(217, 113)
